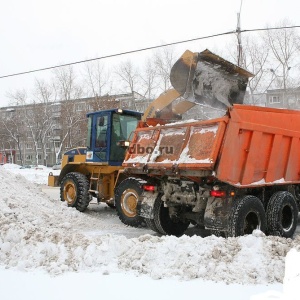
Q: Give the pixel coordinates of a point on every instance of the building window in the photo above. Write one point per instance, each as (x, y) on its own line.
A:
(274, 99)
(80, 107)
(28, 146)
(28, 157)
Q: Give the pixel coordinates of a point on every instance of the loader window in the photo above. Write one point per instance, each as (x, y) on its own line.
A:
(122, 126)
(101, 143)
(89, 133)
(101, 132)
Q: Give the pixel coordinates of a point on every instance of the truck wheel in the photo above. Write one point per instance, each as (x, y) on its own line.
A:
(282, 214)
(150, 222)
(247, 214)
(164, 224)
(126, 198)
(74, 189)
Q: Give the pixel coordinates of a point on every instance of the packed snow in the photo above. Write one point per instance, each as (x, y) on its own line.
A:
(45, 243)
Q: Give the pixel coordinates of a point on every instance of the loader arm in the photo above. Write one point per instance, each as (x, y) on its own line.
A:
(160, 103)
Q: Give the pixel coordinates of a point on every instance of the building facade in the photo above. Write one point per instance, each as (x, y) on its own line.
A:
(40, 133)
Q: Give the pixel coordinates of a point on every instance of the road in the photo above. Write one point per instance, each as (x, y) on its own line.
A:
(104, 220)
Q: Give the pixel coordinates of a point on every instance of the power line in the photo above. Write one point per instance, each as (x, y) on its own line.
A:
(144, 49)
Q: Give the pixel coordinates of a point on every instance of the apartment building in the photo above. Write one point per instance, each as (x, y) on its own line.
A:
(40, 133)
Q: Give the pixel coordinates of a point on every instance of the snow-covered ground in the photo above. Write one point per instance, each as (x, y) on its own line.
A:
(50, 251)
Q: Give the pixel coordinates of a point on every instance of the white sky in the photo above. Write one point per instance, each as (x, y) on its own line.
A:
(36, 34)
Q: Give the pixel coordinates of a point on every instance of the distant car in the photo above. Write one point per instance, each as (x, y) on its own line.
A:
(57, 166)
(25, 167)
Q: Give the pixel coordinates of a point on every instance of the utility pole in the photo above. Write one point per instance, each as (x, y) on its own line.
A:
(239, 38)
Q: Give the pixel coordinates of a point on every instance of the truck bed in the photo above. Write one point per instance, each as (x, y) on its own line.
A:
(249, 146)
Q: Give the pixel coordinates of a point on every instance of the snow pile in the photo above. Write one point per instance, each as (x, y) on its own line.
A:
(292, 275)
(40, 233)
(37, 174)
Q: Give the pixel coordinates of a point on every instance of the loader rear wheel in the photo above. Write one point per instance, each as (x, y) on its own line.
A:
(127, 195)
(74, 189)
(247, 214)
(282, 214)
(163, 222)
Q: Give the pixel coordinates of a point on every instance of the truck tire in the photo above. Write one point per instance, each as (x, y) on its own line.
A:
(164, 224)
(74, 189)
(150, 222)
(247, 214)
(126, 198)
(282, 214)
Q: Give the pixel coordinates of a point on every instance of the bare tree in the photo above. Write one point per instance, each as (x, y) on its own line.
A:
(255, 60)
(45, 115)
(12, 131)
(284, 51)
(15, 123)
(96, 79)
(164, 60)
(66, 85)
(129, 75)
(72, 112)
(149, 79)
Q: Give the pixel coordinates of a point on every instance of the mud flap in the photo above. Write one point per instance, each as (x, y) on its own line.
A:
(146, 204)
(217, 213)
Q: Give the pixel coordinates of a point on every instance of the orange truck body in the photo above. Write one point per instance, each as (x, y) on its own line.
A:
(250, 146)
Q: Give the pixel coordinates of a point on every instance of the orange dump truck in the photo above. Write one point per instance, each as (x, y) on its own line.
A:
(231, 175)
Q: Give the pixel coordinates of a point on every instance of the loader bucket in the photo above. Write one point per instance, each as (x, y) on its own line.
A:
(208, 79)
(182, 73)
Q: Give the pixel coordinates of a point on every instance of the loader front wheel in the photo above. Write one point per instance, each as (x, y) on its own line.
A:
(164, 224)
(127, 195)
(247, 214)
(282, 214)
(74, 189)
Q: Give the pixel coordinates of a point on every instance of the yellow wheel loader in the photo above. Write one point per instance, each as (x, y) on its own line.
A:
(97, 171)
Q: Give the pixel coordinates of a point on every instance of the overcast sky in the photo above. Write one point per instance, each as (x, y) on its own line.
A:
(42, 33)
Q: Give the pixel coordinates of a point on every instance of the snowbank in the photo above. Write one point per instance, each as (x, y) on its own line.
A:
(43, 234)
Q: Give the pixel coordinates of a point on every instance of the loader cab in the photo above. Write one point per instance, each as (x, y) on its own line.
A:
(105, 131)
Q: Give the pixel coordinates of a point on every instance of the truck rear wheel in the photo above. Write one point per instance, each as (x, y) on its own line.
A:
(150, 222)
(74, 189)
(247, 214)
(163, 222)
(282, 214)
(126, 198)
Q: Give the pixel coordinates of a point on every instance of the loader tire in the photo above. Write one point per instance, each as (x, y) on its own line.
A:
(163, 222)
(247, 214)
(74, 189)
(126, 199)
(282, 214)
